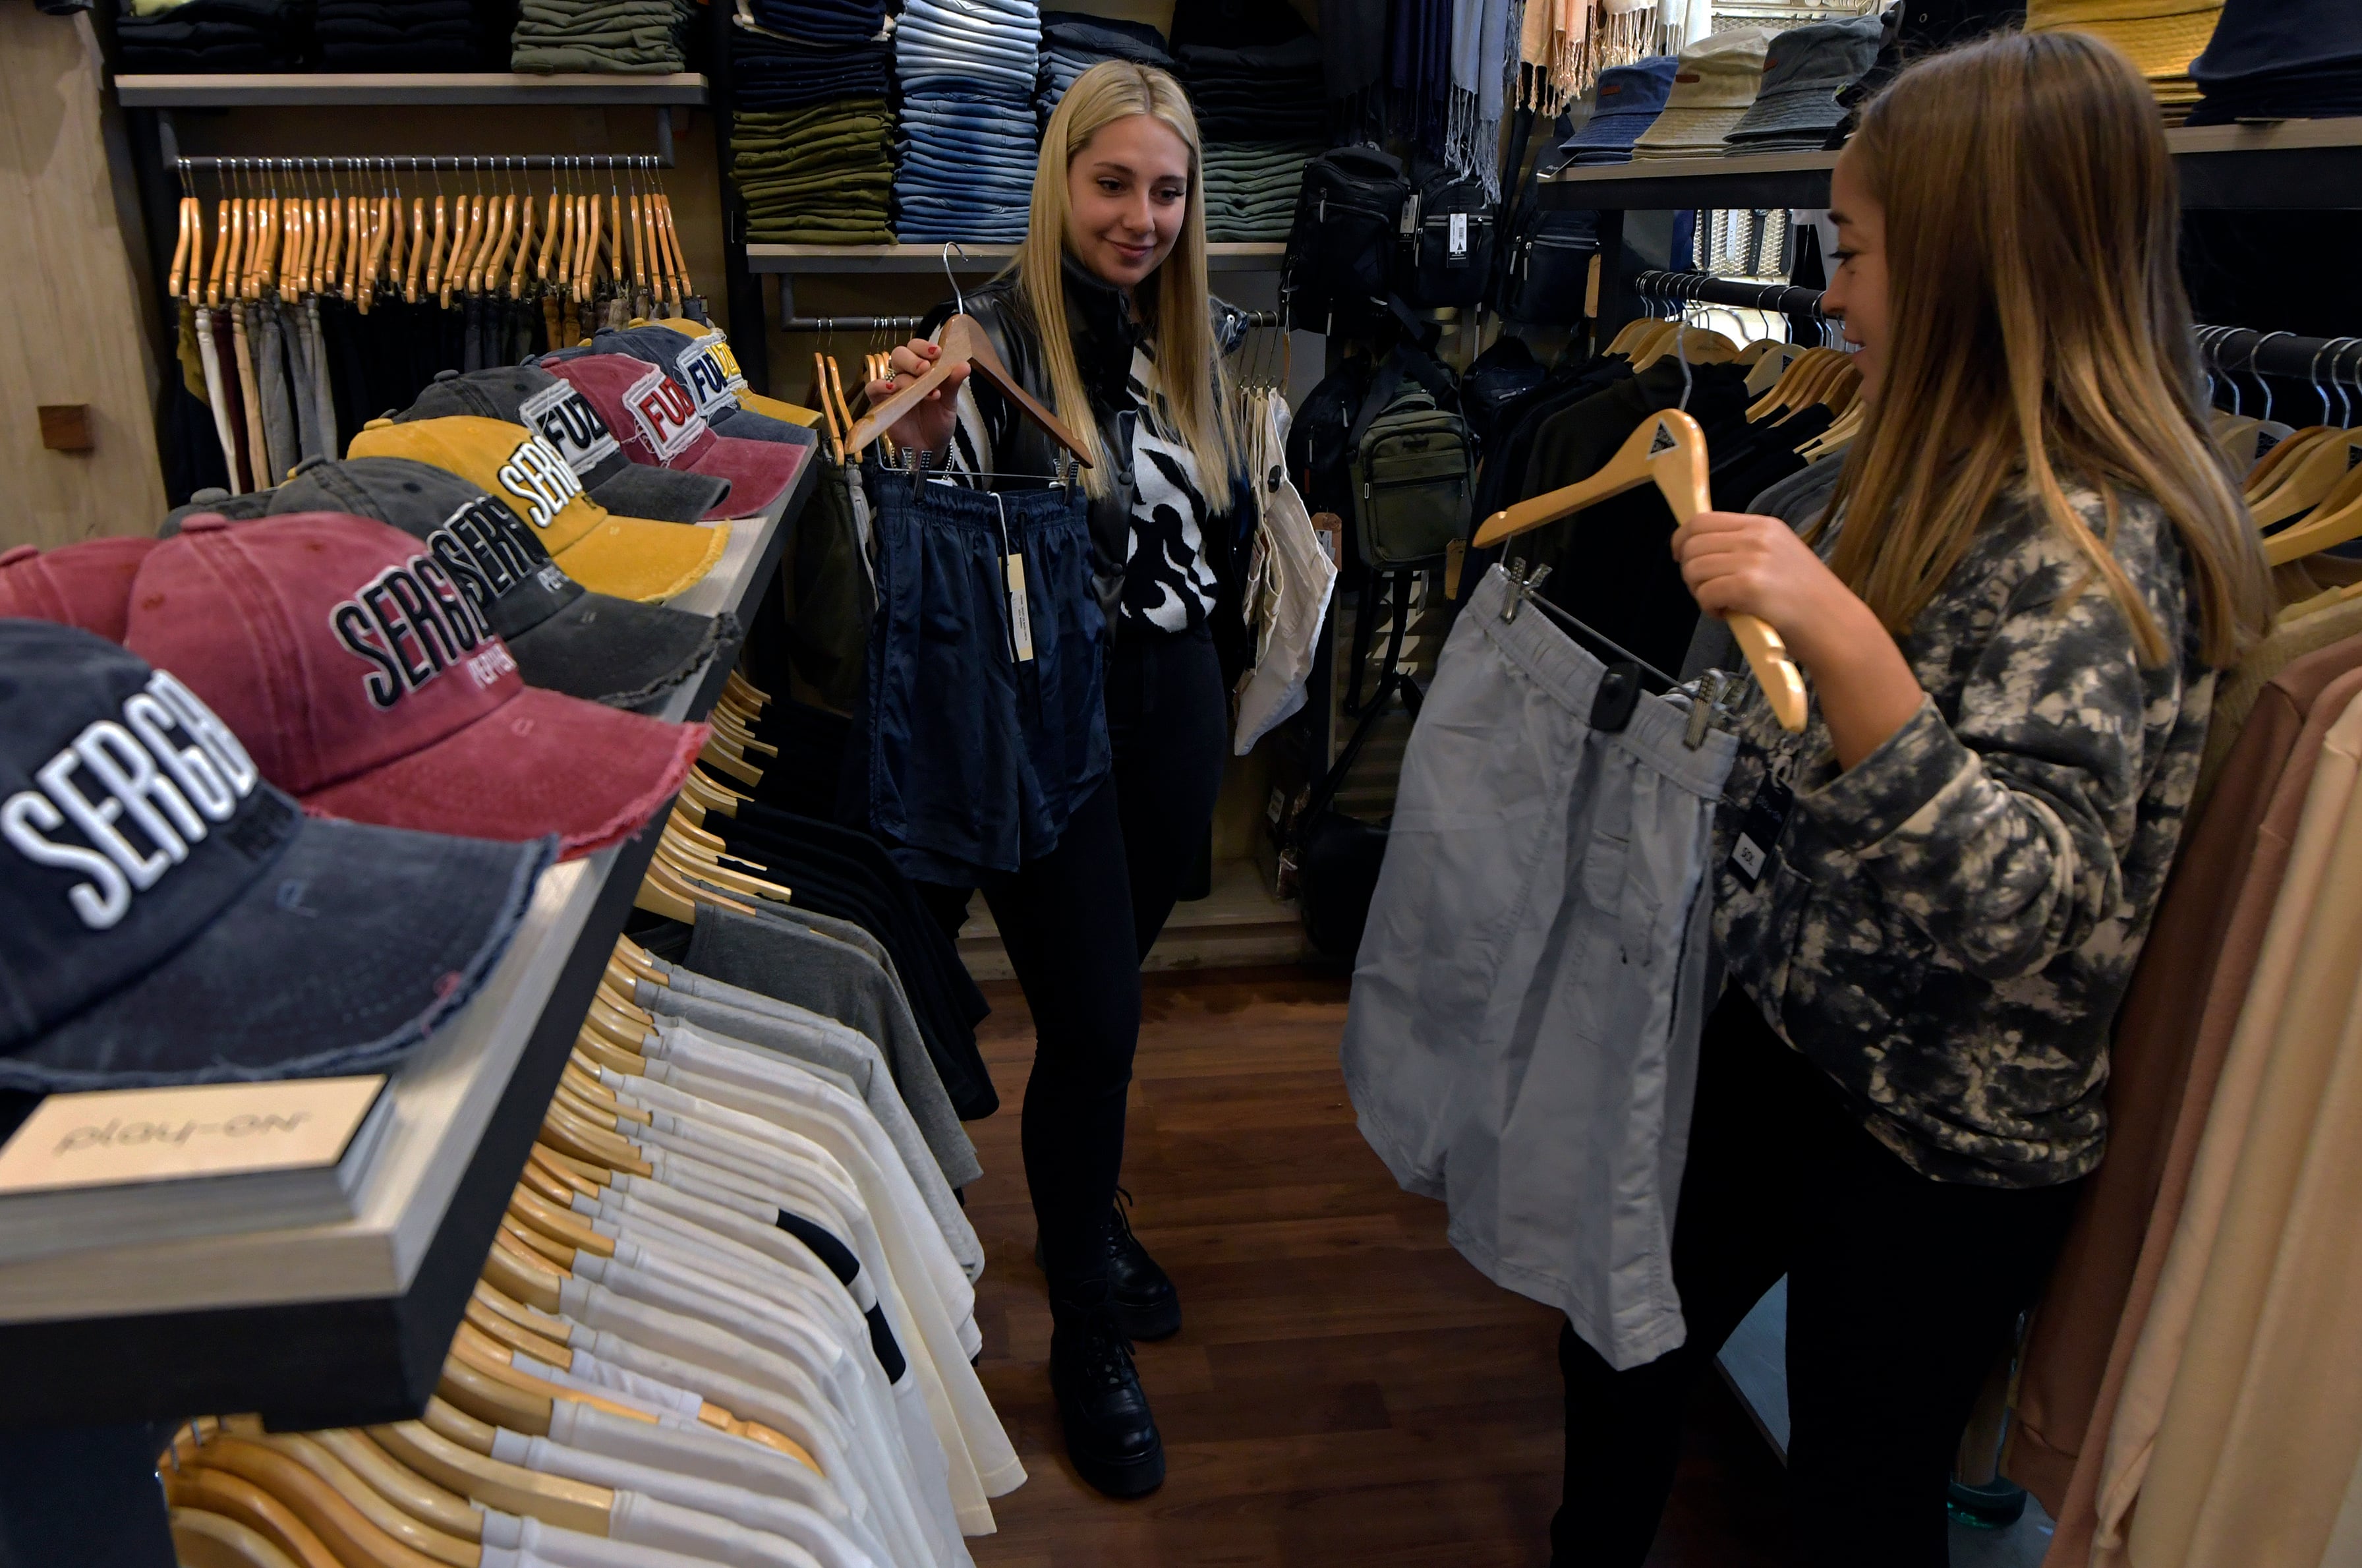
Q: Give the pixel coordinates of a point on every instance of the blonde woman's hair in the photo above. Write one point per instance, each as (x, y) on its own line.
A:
(2040, 335)
(1175, 299)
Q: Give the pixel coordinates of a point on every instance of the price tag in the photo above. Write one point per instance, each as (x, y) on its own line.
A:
(1457, 248)
(1021, 621)
(1758, 835)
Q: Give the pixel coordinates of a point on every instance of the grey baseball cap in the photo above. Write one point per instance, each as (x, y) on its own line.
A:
(565, 637)
(531, 396)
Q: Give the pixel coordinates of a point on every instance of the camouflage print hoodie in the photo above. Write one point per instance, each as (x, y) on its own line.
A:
(1946, 928)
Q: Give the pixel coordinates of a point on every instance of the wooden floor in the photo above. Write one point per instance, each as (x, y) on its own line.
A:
(1346, 1389)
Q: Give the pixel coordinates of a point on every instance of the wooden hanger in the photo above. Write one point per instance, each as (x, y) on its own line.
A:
(2308, 480)
(334, 1518)
(1632, 333)
(203, 1540)
(471, 1473)
(549, 235)
(176, 282)
(738, 688)
(223, 211)
(679, 258)
(499, 1303)
(837, 432)
(2333, 522)
(1668, 450)
(568, 1133)
(455, 1550)
(534, 1283)
(438, 252)
(236, 1499)
(2260, 476)
(962, 342)
(639, 243)
(526, 234)
(403, 1487)
(1698, 347)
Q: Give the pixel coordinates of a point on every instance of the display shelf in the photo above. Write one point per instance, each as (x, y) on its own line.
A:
(345, 1324)
(392, 88)
(2284, 163)
(846, 259)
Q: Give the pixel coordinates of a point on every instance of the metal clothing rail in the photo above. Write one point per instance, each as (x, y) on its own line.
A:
(2231, 351)
(169, 142)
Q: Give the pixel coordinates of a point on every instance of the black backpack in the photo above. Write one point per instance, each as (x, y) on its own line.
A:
(1320, 446)
(1340, 265)
(1447, 251)
(1548, 269)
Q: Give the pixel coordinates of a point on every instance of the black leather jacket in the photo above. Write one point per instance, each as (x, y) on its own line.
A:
(1100, 315)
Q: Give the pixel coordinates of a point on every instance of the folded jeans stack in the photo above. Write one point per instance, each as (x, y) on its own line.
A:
(1263, 92)
(1072, 43)
(210, 36)
(1251, 187)
(828, 24)
(776, 71)
(632, 38)
(968, 138)
(398, 35)
(818, 175)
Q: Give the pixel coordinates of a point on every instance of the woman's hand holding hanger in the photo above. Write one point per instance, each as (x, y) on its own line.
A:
(928, 427)
(1736, 562)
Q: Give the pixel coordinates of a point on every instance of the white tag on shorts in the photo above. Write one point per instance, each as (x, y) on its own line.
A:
(1021, 621)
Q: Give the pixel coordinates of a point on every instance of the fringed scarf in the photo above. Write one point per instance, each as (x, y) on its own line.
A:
(1480, 69)
(1565, 44)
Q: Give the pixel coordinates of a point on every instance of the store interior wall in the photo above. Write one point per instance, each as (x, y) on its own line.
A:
(76, 280)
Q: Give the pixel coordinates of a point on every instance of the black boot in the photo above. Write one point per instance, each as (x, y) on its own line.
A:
(1110, 1433)
(1146, 1301)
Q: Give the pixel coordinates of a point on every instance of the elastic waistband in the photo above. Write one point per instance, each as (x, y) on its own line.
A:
(942, 505)
(1658, 733)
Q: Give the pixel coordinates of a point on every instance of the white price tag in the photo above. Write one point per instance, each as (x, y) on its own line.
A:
(1458, 242)
(1021, 621)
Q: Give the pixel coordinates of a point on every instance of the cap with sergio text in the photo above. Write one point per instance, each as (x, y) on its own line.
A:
(656, 421)
(565, 637)
(631, 558)
(369, 685)
(618, 481)
(171, 918)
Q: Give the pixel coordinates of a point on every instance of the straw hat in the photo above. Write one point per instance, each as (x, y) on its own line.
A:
(2160, 36)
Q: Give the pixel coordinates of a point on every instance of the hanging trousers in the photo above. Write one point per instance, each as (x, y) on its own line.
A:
(1078, 922)
(1901, 1291)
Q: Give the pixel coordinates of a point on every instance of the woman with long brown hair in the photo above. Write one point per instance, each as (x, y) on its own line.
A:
(1929, 904)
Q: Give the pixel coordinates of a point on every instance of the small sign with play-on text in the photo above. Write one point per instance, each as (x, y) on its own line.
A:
(117, 1137)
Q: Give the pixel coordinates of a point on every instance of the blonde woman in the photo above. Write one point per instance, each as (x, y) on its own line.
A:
(2012, 614)
(1105, 317)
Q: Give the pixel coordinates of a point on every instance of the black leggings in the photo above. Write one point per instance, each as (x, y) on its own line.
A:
(1901, 1291)
(1078, 922)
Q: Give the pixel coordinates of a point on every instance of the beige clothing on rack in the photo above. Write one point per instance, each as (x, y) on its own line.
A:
(2255, 1334)
(2175, 1024)
(2236, 692)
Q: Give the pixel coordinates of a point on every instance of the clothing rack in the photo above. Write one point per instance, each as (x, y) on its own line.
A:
(1702, 288)
(456, 163)
(824, 324)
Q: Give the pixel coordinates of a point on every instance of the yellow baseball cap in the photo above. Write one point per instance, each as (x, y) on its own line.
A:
(711, 344)
(631, 558)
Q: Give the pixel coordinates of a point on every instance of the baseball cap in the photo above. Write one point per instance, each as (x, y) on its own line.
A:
(86, 585)
(1803, 71)
(1714, 81)
(370, 687)
(631, 558)
(171, 918)
(531, 396)
(564, 637)
(1627, 102)
(212, 498)
(703, 364)
(656, 421)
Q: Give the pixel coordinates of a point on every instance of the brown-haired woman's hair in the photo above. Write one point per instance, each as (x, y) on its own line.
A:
(2039, 335)
(1188, 364)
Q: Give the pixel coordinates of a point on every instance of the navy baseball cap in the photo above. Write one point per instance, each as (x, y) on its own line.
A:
(531, 396)
(171, 918)
(563, 636)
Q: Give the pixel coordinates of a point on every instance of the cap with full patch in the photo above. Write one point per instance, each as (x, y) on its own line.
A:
(657, 421)
(701, 362)
(631, 558)
(369, 686)
(531, 396)
(171, 918)
(566, 638)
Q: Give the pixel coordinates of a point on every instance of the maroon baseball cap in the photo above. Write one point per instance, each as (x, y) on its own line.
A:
(86, 585)
(656, 421)
(368, 684)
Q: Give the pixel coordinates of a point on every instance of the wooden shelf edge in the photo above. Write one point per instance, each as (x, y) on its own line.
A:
(394, 89)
